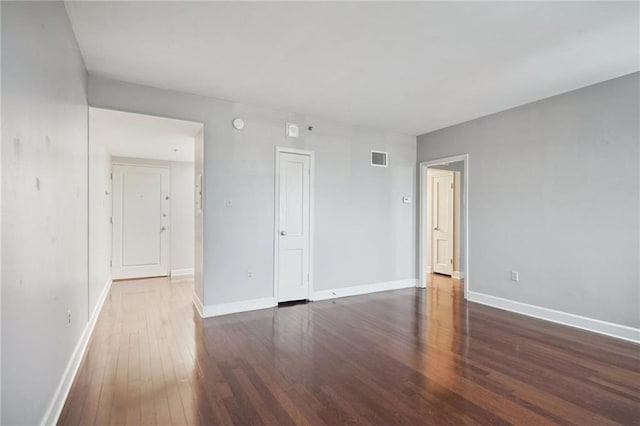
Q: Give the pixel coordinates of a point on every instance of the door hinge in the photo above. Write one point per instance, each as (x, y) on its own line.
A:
(111, 176)
(308, 280)
(451, 186)
(111, 263)
(111, 220)
(451, 260)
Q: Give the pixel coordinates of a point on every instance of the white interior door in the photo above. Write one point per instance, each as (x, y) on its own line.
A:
(140, 221)
(442, 234)
(293, 227)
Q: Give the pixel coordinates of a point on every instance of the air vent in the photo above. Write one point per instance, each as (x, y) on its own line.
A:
(379, 159)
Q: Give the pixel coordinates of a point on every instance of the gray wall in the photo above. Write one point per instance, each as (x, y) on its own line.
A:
(198, 279)
(44, 206)
(182, 216)
(363, 232)
(554, 193)
(100, 210)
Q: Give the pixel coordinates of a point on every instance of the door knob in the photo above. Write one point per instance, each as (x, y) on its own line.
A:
(283, 233)
(435, 228)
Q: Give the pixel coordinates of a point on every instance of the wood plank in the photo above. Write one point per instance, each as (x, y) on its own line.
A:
(409, 356)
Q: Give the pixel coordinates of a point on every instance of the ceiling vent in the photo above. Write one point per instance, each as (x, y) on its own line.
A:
(379, 159)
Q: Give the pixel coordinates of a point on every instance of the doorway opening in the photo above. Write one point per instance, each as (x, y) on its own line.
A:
(145, 204)
(443, 217)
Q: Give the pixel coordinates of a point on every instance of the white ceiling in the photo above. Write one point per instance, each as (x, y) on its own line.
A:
(143, 136)
(412, 67)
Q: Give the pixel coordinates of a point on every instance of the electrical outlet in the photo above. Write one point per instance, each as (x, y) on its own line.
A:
(69, 317)
(228, 203)
(249, 275)
(515, 276)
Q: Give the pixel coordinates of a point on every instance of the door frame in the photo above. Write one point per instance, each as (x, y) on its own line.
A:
(276, 221)
(423, 249)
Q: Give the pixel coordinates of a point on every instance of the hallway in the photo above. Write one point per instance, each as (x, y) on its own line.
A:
(409, 356)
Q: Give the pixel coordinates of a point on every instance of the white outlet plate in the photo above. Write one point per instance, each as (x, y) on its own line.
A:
(515, 276)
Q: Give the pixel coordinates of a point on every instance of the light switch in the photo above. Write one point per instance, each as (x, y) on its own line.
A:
(406, 200)
(292, 130)
(228, 203)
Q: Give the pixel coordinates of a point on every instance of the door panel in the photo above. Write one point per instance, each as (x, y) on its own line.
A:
(293, 227)
(443, 224)
(293, 211)
(140, 221)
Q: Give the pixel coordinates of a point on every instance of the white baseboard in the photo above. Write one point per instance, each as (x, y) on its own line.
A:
(182, 272)
(363, 289)
(207, 311)
(458, 275)
(57, 403)
(597, 326)
(235, 307)
(198, 304)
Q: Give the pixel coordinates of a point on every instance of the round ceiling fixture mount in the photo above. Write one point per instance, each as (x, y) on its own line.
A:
(238, 123)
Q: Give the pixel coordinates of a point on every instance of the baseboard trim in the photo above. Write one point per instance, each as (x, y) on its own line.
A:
(182, 272)
(54, 410)
(597, 326)
(198, 304)
(458, 275)
(235, 307)
(363, 289)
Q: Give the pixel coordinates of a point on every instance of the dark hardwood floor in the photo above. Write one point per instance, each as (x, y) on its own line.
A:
(402, 357)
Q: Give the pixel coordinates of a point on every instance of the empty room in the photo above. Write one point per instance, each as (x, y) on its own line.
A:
(320, 213)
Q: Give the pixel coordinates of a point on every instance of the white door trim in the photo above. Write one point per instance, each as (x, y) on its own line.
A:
(276, 244)
(423, 249)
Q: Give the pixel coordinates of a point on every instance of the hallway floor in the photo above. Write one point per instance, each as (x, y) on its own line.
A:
(409, 356)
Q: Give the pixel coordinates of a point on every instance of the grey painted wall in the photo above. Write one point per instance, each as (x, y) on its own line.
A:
(100, 210)
(44, 208)
(182, 216)
(198, 278)
(554, 193)
(363, 232)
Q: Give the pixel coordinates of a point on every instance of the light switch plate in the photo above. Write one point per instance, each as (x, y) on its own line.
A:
(292, 130)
